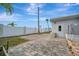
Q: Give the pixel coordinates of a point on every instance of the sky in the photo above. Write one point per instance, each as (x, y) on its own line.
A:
(25, 14)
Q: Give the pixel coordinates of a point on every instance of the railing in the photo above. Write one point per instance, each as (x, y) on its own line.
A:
(72, 36)
(72, 42)
(17, 31)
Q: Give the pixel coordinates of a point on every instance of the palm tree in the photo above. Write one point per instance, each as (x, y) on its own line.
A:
(8, 7)
(12, 24)
(9, 10)
(47, 23)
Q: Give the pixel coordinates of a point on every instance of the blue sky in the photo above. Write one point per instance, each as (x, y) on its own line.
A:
(25, 14)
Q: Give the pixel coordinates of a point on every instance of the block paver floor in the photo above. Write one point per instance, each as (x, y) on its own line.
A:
(41, 45)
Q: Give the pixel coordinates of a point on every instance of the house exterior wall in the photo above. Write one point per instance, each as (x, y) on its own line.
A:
(65, 25)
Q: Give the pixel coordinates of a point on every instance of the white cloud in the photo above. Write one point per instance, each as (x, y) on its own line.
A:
(70, 4)
(13, 17)
(62, 10)
(32, 8)
(65, 7)
(41, 19)
(55, 11)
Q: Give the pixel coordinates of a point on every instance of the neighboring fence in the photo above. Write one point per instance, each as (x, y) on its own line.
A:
(14, 31)
(72, 36)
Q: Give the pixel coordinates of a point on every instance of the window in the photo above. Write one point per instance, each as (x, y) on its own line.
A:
(59, 28)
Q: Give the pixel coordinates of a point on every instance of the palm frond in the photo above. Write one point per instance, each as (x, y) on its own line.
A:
(8, 7)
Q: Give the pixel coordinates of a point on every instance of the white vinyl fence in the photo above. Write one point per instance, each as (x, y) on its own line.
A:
(72, 36)
(14, 31)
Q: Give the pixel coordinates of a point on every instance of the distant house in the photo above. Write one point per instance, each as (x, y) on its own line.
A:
(66, 25)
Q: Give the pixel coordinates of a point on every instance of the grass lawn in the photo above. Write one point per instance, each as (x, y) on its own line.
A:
(12, 41)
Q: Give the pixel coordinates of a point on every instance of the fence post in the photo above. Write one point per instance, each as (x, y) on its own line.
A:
(7, 46)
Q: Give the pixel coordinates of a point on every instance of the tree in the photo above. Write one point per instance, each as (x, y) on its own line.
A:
(47, 23)
(8, 7)
(9, 10)
(12, 24)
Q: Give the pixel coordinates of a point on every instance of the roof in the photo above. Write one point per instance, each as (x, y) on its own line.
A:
(65, 18)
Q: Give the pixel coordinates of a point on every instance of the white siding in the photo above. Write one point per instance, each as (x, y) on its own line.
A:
(64, 25)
